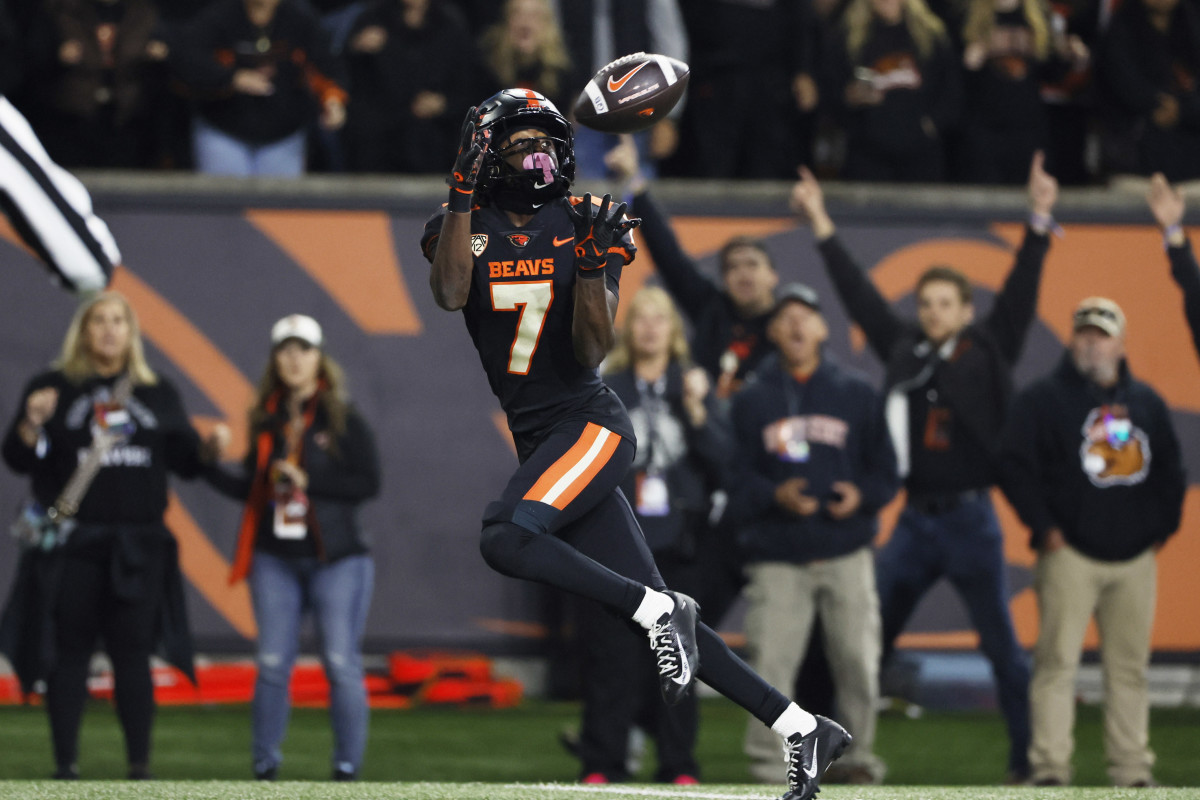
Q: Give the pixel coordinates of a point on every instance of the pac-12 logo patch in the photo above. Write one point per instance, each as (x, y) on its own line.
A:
(478, 243)
(518, 239)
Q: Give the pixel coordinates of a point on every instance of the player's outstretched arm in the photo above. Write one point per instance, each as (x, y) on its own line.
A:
(450, 277)
(593, 331)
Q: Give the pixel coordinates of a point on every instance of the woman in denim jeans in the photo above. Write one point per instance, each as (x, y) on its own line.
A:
(312, 461)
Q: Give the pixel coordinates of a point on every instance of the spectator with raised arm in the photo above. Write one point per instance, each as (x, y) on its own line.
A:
(1167, 206)
(948, 381)
(729, 319)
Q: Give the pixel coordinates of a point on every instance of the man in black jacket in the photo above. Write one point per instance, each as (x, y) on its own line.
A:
(1092, 465)
(728, 319)
(814, 467)
(948, 384)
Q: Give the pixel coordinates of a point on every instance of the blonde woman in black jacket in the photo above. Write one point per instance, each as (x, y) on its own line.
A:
(117, 575)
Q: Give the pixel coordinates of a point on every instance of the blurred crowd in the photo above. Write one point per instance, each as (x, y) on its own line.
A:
(879, 90)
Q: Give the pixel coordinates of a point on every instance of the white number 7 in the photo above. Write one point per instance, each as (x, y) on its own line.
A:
(534, 299)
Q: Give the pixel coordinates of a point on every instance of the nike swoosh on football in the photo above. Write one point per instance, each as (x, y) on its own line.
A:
(812, 773)
(560, 242)
(614, 86)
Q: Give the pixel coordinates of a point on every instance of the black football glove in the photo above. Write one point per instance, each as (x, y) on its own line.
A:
(472, 145)
(595, 231)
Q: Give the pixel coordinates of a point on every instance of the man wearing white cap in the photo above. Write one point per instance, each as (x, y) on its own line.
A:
(1092, 465)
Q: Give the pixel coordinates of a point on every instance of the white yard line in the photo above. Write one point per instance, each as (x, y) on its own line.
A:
(632, 792)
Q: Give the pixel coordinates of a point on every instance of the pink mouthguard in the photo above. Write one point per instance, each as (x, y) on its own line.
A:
(541, 161)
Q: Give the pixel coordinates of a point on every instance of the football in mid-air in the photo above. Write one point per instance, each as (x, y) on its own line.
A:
(632, 93)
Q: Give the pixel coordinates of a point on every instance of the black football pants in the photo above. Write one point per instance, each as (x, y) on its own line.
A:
(563, 521)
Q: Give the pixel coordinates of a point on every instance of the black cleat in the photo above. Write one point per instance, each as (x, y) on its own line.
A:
(809, 756)
(673, 639)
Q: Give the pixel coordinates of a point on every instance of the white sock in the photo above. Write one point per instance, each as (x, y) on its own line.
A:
(794, 719)
(653, 606)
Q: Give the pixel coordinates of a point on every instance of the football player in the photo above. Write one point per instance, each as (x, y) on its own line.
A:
(536, 273)
(51, 209)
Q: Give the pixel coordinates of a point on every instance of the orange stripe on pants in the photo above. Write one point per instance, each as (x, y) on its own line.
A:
(566, 477)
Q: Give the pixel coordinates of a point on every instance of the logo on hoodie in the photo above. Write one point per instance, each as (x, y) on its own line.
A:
(789, 439)
(1115, 452)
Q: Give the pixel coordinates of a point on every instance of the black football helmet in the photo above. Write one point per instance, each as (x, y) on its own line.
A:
(512, 188)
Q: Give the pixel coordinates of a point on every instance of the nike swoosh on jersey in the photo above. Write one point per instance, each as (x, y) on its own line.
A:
(615, 86)
(811, 771)
(560, 242)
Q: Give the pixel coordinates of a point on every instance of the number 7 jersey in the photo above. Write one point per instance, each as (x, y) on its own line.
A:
(519, 313)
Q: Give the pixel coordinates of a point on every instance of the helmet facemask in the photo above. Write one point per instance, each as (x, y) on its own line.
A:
(524, 174)
(536, 181)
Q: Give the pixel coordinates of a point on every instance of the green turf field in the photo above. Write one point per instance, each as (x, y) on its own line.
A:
(204, 753)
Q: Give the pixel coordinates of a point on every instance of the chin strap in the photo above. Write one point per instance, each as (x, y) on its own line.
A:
(519, 197)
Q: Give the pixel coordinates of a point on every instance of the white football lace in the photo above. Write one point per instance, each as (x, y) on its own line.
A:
(666, 647)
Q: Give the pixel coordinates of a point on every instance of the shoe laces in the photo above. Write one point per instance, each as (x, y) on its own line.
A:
(794, 770)
(667, 648)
